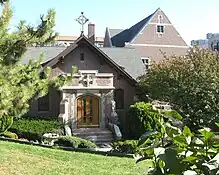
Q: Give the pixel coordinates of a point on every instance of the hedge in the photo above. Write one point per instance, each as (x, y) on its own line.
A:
(34, 128)
(74, 142)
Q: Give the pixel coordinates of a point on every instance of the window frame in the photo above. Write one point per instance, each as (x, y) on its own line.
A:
(159, 27)
(38, 104)
(118, 96)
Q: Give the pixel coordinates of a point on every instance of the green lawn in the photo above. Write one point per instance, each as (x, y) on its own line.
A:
(19, 159)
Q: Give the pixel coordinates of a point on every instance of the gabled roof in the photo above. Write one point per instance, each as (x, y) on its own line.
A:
(113, 32)
(103, 53)
(128, 58)
(33, 53)
(127, 35)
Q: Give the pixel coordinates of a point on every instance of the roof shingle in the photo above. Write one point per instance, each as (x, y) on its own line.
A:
(127, 35)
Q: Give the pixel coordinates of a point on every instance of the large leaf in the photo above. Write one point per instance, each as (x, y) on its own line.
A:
(187, 131)
(145, 138)
(206, 134)
(158, 151)
(172, 113)
(180, 140)
(171, 130)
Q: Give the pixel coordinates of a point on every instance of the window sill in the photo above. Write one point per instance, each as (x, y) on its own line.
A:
(43, 112)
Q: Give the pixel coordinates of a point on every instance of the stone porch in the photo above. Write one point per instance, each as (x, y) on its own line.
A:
(87, 83)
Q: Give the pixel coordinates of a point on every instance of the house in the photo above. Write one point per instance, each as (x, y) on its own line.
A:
(106, 79)
(152, 36)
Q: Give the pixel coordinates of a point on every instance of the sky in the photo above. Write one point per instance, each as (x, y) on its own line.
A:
(193, 19)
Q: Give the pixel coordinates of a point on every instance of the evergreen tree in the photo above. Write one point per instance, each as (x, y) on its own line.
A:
(20, 83)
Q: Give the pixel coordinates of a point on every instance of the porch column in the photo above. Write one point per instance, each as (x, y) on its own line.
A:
(73, 112)
(102, 112)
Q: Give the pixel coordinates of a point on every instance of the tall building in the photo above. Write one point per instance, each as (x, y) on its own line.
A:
(211, 42)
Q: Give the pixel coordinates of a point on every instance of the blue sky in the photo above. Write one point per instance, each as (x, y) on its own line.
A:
(192, 18)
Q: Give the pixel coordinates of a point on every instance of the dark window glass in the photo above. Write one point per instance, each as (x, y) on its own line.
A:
(43, 103)
(82, 56)
(119, 98)
(160, 29)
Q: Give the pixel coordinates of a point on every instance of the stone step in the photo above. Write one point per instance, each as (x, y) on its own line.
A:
(92, 134)
(99, 136)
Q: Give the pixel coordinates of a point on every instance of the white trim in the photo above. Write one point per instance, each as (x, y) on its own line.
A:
(164, 24)
(87, 88)
(141, 31)
(97, 74)
(157, 45)
(161, 26)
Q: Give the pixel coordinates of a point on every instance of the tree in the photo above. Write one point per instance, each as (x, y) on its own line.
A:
(20, 83)
(189, 83)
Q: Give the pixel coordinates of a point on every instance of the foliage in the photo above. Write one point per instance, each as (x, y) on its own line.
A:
(34, 128)
(142, 117)
(186, 153)
(20, 83)
(74, 142)
(126, 147)
(9, 134)
(5, 123)
(189, 83)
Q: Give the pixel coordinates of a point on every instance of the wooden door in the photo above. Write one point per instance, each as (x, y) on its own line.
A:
(88, 111)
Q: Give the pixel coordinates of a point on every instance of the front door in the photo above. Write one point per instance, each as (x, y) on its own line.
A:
(87, 111)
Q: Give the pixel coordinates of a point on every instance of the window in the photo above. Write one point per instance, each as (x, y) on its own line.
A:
(160, 28)
(146, 61)
(43, 103)
(119, 98)
(160, 19)
(82, 56)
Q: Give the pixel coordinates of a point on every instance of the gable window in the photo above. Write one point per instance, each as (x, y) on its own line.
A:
(160, 19)
(82, 56)
(119, 98)
(160, 28)
(43, 103)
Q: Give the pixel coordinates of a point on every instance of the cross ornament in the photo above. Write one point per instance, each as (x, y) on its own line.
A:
(82, 20)
(88, 80)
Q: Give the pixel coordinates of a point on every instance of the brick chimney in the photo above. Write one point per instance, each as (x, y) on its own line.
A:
(91, 32)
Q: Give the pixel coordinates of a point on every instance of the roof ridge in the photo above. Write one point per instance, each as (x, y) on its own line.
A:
(146, 20)
(129, 34)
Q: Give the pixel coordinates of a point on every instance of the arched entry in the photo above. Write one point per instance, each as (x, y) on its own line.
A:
(87, 111)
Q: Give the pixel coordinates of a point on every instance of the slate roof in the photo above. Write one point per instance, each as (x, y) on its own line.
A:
(33, 53)
(128, 34)
(128, 58)
(113, 32)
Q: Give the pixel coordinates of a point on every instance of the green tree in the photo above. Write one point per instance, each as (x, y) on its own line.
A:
(189, 83)
(20, 83)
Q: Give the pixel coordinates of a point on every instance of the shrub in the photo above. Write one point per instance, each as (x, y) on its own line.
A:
(9, 135)
(74, 142)
(127, 147)
(5, 123)
(141, 118)
(33, 128)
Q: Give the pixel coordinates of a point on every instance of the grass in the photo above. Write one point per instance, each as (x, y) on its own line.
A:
(18, 159)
